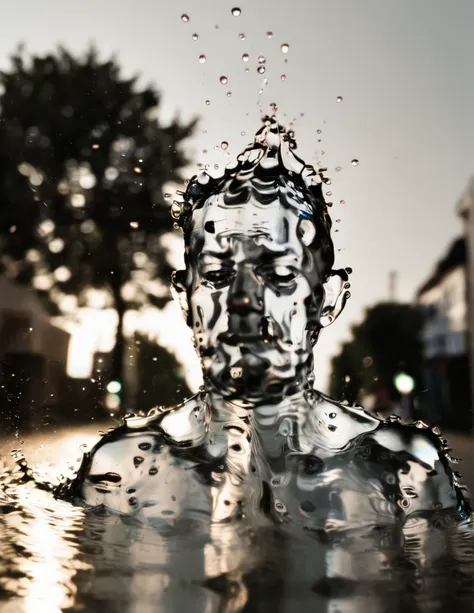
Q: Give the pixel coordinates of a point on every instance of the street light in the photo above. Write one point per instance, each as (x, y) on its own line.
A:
(405, 385)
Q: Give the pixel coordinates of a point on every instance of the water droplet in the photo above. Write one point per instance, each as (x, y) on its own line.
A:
(261, 59)
(245, 57)
(166, 195)
(202, 58)
(224, 145)
(339, 99)
(223, 79)
(338, 168)
(285, 48)
(208, 102)
(260, 91)
(283, 77)
(216, 166)
(229, 94)
(242, 133)
(261, 69)
(242, 36)
(195, 36)
(185, 18)
(269, 34)
(342, 202)
(355, 162)
(236, 12)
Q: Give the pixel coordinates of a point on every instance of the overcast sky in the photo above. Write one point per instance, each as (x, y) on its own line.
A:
(403, 68)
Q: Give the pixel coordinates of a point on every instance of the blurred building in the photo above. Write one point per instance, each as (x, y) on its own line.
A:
(465, 211)
(444, 299)
(33, 355)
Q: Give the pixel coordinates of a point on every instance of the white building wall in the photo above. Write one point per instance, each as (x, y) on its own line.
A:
(446, 321)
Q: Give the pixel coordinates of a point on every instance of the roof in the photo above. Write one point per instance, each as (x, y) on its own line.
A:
(455, 257)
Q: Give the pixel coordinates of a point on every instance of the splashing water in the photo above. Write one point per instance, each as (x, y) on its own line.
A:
(258, 490)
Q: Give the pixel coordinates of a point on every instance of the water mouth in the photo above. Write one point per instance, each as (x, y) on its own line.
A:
(241, 338)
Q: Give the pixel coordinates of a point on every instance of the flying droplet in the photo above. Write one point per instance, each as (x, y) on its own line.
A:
(223, 80)
(202, 59)
(245, 57)
(342, 202)
(285, 48)
(229, 94)
(185, 18)
(242, 133)
(236, 12)
(208, 102)
(355, 162)
(261, 69)
(167, 195)
(283, 77)
(339, 99)
(224, 145)
(338, 168)
(195, 36)
(242, 36)
(269, 34)
(261, 59)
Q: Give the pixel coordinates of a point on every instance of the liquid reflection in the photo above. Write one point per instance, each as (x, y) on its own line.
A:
(39, 556)
(55, 556)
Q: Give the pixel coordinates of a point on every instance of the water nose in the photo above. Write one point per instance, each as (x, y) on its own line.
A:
(240, 302)
(246, 292)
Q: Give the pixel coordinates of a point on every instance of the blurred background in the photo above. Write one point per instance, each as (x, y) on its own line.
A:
(107, 107)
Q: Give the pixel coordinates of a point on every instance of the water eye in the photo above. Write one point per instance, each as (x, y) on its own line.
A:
(280, 276)
(219, 277)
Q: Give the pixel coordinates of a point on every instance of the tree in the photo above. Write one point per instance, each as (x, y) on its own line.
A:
(83, 164)
(387, 342)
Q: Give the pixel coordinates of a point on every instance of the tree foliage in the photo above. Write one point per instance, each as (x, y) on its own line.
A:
(386, 342)
(83, 164)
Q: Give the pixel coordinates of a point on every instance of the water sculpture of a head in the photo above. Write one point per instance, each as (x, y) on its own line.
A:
(258, 284)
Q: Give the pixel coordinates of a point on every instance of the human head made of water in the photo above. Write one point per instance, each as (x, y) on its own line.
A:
(259, 280)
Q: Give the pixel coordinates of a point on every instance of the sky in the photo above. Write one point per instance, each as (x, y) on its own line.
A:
(403, 69)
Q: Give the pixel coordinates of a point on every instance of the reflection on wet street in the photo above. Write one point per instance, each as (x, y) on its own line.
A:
(55, 556)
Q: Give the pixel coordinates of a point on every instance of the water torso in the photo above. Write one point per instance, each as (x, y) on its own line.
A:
(310, 461)
(210, 507)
